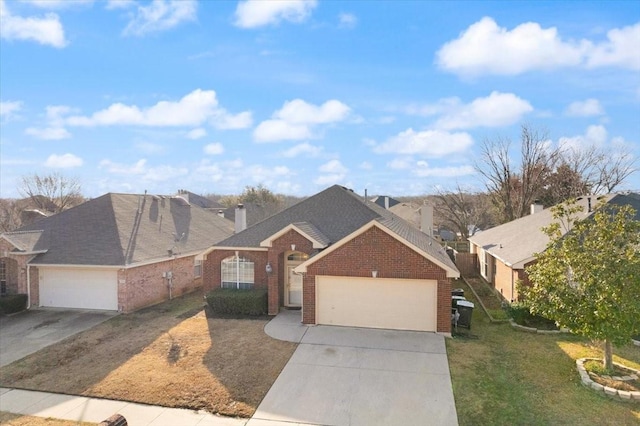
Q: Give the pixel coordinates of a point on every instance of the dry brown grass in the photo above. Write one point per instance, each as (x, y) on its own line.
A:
(171, 355)
(10, 419)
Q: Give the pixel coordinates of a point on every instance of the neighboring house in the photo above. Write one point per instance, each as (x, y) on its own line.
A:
(342, 260)
(385, 201)
(418, 215)
(115, 252)
(505, 251)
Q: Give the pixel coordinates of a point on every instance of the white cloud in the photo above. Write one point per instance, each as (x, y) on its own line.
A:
(160, 15)
(164, 173)
(365, 165)
(486, 48)
(213, 149)
(226, 121)
(120, 4)
(64, 161)
(594, 135)
(296, 119)
(123, 169)
(423, 170)
(347, 20)
(587, 108)
(620, 49)
(302, 149)
(57, 4)
(45, 30)
(333, 166)
(496, 110)
(194, 109)
(429, 143)
(48, 133)
(8, 109)
(197, 133)
(278, 130)
(258, 13)
(334, 172)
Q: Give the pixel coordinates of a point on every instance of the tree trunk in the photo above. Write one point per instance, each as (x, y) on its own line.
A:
(608, 355)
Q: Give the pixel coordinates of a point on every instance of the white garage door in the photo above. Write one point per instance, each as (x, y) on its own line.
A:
(79, 288)
(377, 303)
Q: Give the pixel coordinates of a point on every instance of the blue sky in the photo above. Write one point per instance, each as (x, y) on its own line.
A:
(395, 97)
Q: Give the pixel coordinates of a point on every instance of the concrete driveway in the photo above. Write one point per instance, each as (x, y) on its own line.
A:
(355, 376)
(29, 331)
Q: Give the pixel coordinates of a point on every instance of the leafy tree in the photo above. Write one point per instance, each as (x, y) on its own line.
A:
(51, 193)
(588, 278)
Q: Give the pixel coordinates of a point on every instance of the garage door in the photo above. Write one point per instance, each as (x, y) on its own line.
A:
(377, 303)
(79, 288)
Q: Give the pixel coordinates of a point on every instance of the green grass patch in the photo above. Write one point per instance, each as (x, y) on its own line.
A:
(505, 377)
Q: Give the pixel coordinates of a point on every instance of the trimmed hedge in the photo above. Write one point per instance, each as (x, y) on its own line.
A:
(521, 315)
(238, 302)
(13, 303)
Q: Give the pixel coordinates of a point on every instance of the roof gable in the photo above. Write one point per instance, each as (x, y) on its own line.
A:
(417, 244)
(305, 229)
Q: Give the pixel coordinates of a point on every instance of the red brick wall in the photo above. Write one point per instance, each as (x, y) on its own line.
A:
(211, 269)
(34, 278)
(144, 285)
(375, 250)
(16, 268)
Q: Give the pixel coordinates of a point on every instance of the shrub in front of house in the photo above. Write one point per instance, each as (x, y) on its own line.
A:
(13, 303)
(520, 314)
(238, 302)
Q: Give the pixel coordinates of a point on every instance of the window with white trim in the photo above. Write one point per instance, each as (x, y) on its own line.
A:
(237, 272)
(197, 268)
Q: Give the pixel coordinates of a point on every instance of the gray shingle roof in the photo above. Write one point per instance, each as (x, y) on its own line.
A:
(335, 213)
(108, 230)
(24, 241)
(516, 242)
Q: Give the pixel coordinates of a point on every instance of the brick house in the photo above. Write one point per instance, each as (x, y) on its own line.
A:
(505, 251)
(115, 252)
(341, 260)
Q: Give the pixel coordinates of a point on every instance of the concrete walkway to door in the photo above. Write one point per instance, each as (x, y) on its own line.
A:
(356, 376)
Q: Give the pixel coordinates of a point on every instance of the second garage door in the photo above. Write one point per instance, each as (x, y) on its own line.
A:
(79, 288)
(397, 304)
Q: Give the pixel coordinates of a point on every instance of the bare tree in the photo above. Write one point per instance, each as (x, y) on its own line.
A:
(9, 215)
(51, 193)
(613, 170)
(462, 210)
(513, 189)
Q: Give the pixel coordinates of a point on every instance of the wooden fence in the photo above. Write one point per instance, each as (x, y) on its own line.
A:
(467, 263)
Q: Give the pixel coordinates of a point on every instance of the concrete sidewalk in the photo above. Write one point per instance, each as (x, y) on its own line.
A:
(80, 408)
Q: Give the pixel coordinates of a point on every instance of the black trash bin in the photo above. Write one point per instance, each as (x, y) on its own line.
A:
(455, 300)
(457, 292)
(465, 309)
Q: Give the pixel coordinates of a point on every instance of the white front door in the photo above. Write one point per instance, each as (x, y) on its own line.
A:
(293, 293)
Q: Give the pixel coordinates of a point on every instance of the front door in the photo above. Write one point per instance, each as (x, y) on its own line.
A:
(293, 281)
(294, 288)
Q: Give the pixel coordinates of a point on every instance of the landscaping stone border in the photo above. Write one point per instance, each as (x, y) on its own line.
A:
(609, 391)
(535, 330)
(636, 342)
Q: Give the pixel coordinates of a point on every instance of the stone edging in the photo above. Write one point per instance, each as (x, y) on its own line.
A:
(636, 342)
(535, 330)
(611, 392)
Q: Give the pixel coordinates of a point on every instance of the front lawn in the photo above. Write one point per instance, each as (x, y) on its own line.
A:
(502, 376)
(172, 354)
